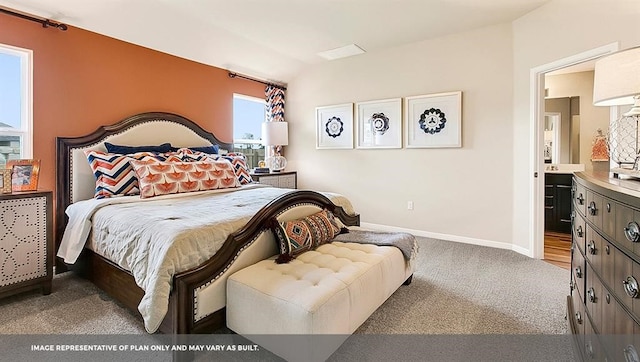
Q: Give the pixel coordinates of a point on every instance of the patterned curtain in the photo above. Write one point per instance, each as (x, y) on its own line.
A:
(275, 103)
(275, 107)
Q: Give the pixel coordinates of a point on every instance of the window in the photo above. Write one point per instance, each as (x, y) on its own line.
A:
(16, 125)
(248, 115)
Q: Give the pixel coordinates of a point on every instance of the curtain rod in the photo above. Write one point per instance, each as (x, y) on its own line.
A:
(236, 75)
(45, 22)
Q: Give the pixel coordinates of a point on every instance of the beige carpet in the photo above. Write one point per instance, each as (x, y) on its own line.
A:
(457, 289)
(464, 301)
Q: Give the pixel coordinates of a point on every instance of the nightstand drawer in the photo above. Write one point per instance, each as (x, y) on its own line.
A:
(286, 179)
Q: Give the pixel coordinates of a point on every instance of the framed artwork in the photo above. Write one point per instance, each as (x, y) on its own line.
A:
(5, 181)
(334, 126)
(433, 120)
(24, 174)
(379, 123)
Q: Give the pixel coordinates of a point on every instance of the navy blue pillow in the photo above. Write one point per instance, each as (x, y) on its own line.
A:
(123, 150)
(213, 149)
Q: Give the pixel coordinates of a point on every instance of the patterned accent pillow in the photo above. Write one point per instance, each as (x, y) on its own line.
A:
(163, 178)
(239, 162)
(114, 174)
(297, 236)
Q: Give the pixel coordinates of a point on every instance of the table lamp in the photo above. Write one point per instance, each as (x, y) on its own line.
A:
(617, 82)
(275, 135)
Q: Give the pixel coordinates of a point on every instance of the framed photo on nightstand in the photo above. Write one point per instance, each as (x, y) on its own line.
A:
(24, 174)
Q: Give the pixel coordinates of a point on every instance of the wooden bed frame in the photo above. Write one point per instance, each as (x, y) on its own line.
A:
(119, 283)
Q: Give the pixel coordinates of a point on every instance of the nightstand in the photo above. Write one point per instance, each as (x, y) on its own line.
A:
(26, 242)
(283, 179)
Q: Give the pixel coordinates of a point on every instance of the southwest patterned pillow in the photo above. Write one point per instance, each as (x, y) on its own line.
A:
(163, 178)
(297, 236)
(114, 174)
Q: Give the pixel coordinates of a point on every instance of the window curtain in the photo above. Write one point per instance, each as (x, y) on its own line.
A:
(274, 97)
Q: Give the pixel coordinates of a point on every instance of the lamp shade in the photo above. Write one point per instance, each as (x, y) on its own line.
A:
(275, 133)
(617, 78)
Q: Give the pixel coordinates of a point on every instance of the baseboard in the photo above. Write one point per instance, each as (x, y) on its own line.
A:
(449, 237)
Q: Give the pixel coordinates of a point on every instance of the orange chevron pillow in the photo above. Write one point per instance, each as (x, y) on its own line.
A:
(162, 178)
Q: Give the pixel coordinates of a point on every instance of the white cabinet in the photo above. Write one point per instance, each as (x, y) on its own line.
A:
(287, 180)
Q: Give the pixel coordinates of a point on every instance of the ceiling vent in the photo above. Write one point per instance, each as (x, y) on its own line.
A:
(342, 52)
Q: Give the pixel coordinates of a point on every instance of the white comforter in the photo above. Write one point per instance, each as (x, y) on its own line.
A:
(158, 237)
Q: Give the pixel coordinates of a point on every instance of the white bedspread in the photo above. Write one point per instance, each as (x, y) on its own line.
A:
(158, 237)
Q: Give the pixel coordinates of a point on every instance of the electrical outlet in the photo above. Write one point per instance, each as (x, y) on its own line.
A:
(409, 205)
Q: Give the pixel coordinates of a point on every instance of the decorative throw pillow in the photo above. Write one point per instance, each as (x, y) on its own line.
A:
(297, 236)
(213, 149)
(123, 150)
(239, 162)
(114, 174)
(163, 178)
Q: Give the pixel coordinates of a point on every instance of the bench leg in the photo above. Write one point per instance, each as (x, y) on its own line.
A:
(408, 281)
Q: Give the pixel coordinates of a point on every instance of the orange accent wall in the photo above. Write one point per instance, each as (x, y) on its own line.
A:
(82, 80)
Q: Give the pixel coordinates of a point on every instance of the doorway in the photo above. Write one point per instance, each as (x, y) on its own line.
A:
(537, 123)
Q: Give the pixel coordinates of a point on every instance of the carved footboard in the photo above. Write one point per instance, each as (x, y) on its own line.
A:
(198, 293)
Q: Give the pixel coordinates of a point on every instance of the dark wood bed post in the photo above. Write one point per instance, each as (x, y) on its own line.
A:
(120, 284)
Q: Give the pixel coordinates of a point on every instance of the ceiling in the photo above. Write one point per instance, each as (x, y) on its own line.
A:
(273, 40)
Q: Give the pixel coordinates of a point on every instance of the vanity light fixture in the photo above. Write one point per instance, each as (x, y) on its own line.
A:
(617, 82)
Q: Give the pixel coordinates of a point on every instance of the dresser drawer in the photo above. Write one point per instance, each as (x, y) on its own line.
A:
(579, 230)
(609, 217)
(578, 271)
(593, 296)
(594, 207)
(593, 248)
(580, 198)
(623, 270)
(627, 227)
(592, 348)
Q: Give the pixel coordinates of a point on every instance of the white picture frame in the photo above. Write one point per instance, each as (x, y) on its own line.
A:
(433, 120)
(334, 126)
(379, 124)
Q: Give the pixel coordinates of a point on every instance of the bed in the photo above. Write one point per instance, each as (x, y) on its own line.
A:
(195, 297)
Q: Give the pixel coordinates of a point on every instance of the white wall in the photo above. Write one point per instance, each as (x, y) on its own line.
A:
(555, 31)
(478, 193)
(461, 192)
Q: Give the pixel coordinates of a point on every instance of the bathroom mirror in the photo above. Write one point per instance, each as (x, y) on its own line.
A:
(552, 137)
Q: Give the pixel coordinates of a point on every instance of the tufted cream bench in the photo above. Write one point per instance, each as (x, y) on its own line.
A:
(330, 290)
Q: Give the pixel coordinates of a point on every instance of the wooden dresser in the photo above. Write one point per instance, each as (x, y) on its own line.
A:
(604, 304)
(26, 242)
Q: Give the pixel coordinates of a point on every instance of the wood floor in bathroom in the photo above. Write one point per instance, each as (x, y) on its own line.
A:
(557, 249)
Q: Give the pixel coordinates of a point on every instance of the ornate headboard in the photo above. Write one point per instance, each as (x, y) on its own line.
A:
(74, 178)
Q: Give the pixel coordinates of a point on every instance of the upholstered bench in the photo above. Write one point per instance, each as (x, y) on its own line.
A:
(330, 290)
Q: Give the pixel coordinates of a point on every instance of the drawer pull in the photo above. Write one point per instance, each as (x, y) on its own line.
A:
(630, 354)
(607, 250)
(580, 232)
(608, 207)
(571, 285)
(578, 272)
(591, 294)
(608, 298)
(592, 208)
(631, 286)
(578, 317)
(632, 232)
(592, 247)
(589, 349)
(580, 199)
